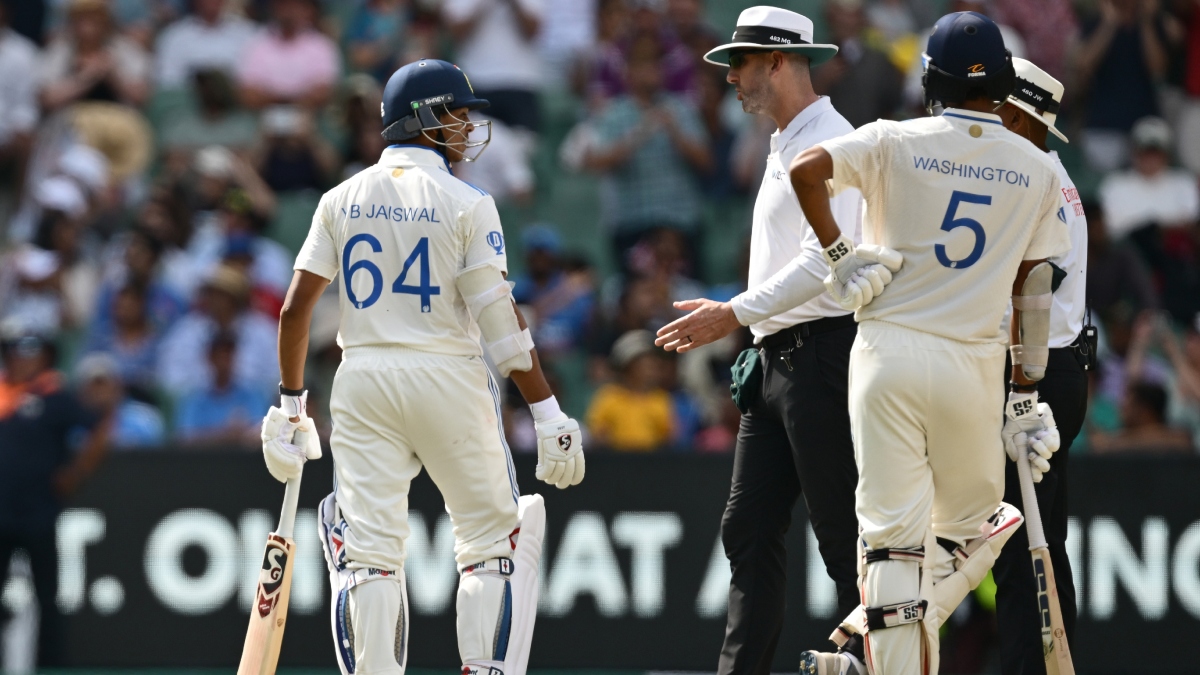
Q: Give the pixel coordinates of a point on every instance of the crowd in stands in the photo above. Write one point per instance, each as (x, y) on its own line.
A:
(160, 161)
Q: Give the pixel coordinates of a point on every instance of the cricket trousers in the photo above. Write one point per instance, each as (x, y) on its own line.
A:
(396, 411)
(794, 441)
(1065, 389)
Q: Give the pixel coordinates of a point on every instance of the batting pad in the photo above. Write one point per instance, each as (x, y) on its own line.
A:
(1034, 303)
(531, 515)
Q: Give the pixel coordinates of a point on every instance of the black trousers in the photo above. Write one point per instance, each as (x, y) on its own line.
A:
(1017, 619)
(43, 560)
(795, 440)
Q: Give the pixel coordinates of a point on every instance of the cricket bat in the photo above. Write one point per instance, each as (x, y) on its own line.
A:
(268, 616)
(1054, 638)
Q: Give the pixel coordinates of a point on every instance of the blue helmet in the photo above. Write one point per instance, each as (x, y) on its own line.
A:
(965, 59)
(419, 92)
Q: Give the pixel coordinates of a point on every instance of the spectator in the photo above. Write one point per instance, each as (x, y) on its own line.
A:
(1047, 29)
(612, 26)
(209, 39)
(224, 411)
(32, 294)
(128, 338)
(135, 424)
(644, 304)
(270, 72)
(216, 120)
(497, 44)
(1116, 274)
(18, 98)
(141, 266)
(292, 155)
(221, 307)
(719, 181)
(40, 467)
(649, 145)
(77, 274)
(1122, 57)
(1152, 192)
(633, 414)
(646, 22)
(360, 117)
(559, 300)
(686, 18)
(1182, 381)
(375, 38)
(92, 62)
(860, 80)
(1144, 428)
(566, 37)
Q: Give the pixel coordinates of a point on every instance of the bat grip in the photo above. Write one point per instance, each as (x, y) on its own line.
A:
(1033, 514)
(291, 497)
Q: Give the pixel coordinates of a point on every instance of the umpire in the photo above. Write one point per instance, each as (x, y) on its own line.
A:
(795, 431)
(1030, 112)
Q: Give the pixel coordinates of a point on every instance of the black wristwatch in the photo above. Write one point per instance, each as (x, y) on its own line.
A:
(284, 391)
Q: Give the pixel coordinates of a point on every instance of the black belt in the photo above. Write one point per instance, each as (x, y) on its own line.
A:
(788, 337)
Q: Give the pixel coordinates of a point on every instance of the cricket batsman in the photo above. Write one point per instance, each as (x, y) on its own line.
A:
(972, 208)
(419, 259)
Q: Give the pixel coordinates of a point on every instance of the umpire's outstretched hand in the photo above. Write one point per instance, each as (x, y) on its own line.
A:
(708, 322)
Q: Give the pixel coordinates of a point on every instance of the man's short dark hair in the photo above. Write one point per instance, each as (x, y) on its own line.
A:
(1150, 396)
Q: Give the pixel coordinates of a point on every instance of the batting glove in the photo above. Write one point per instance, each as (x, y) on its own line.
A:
(285, 459)
(1029, 429)
(859, 274)
(560, 445)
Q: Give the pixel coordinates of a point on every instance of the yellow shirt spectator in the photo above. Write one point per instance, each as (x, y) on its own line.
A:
(630, 421)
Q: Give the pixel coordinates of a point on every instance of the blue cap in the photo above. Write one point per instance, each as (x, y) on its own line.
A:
(415, 88)
(967, 45)
(541, 237)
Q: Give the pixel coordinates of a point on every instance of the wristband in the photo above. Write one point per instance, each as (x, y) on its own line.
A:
(284, 391)
(1023, 388)
(293, 406)
(545, 410)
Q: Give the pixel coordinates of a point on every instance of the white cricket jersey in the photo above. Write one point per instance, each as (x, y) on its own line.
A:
(964, 200)
(787, 272)
(397, 234)
(1070, 300)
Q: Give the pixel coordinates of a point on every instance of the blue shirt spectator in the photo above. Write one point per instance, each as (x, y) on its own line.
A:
(136, 425)
(224, 412)
(561, 298)
(128, 336)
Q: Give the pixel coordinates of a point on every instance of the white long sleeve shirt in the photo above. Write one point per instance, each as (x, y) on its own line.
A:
(787, 271)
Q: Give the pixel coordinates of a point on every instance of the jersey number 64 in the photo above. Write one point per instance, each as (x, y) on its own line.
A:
(420, 254)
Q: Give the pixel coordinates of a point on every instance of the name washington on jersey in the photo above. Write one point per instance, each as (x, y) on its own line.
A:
(985, 173)
(397, 213)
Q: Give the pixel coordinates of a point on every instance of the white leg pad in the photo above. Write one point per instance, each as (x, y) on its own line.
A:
(973, 561)
(369, 608)
(497, 600)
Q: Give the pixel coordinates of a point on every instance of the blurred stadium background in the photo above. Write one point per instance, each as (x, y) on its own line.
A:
(159, 164)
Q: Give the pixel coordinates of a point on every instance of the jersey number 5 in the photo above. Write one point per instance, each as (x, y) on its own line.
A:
(949, 222)
(420, 254)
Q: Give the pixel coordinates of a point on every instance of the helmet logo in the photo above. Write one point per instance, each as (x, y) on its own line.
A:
(976, 71)
(382, 112)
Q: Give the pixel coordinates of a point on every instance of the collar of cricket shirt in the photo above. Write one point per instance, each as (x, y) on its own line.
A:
(968, 116)
(411, 153)
(801, 120)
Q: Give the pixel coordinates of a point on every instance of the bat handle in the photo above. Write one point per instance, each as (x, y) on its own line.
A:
(291, 497)
(1033, 515)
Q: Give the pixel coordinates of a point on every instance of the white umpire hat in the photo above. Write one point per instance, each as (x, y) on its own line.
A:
(1038, 94)
(771, 29)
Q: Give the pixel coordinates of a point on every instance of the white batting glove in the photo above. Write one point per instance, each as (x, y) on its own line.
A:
(859, 274)
(285, 459)
(560, 445)
(1029, 428)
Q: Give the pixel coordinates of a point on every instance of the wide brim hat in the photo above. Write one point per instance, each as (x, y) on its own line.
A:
(771, 29)
(1038, 94)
